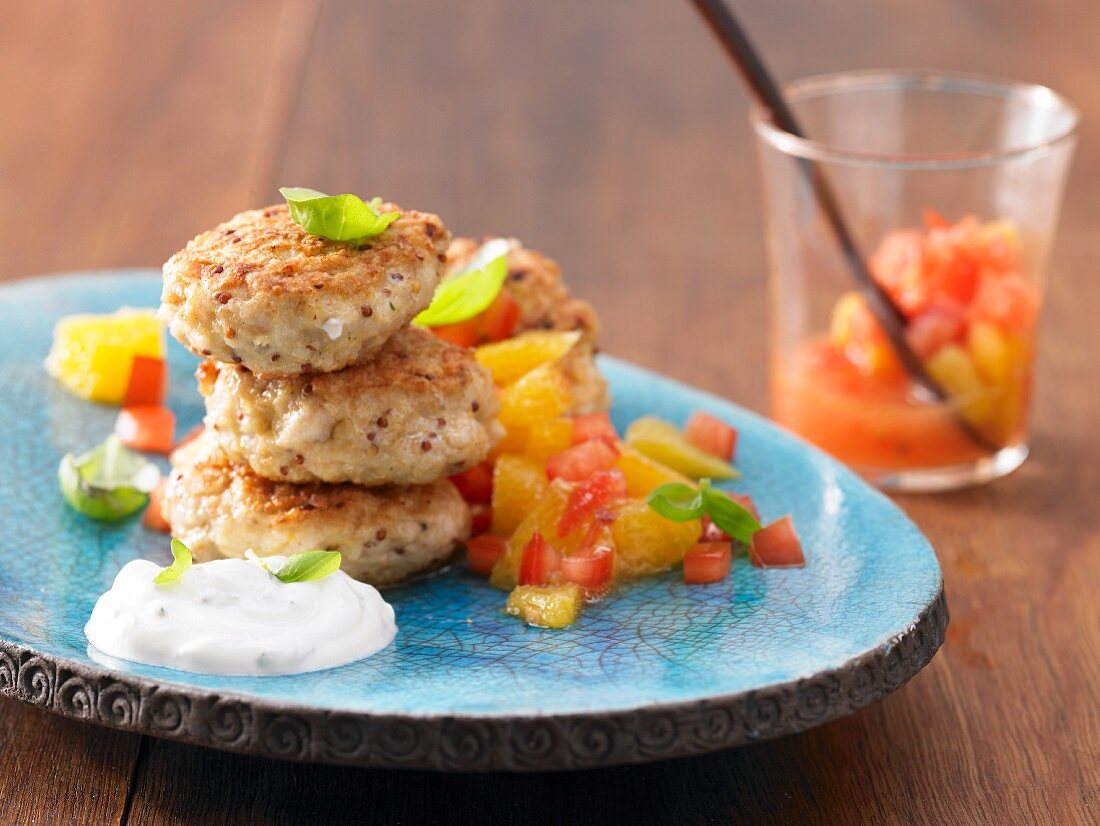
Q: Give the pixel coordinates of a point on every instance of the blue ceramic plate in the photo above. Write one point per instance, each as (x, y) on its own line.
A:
(660, 670)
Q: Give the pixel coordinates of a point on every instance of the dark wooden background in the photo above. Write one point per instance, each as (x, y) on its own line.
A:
(613, 136)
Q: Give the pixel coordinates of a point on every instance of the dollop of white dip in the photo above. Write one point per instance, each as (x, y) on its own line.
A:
(230, 616)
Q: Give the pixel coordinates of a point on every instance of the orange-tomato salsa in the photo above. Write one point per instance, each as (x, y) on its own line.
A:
(970, 314)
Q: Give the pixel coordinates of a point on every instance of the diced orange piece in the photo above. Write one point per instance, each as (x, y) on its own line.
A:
(546, 606)
(646, 542)
(542, 518)
(547, 438)
(518, 484)
(644, 475)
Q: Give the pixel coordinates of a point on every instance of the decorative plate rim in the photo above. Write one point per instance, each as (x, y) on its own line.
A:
(237, 722)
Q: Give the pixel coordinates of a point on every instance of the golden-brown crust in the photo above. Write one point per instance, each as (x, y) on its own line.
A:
(418, 410)
(261, 292)
(535, 281)
(264, 251)
(385, 535)
(412, 359)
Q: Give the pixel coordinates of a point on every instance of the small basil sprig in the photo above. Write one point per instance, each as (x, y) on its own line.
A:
(108, 482)
(181, 561)
(304, 567)
(678, 502)
(463, 295)
(337, 217)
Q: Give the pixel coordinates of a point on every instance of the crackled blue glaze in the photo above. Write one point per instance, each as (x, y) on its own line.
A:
(869, 574)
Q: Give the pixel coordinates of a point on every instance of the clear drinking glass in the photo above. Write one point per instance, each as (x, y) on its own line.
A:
(951, 187)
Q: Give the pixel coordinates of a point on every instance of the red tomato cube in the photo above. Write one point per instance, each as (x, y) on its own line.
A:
(540, 561)
(147, 427)
(1008, 301)
(593, 426)
(707, 562)
(499, 321)
(482, 552)
(153, 519)
(777, 546)
(476, 484)
(597, 491)
(936, 326)
(464, 333)
(148, 382)
(589, 567)
(577, 463)
(711, 434)
(481, 518)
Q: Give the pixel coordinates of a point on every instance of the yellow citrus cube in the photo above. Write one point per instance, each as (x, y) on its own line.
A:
(989, 349)
(664, 443)
(546, 606)
(547, 438)
(849, 307)
(540, 395)
(511, 359)
(92, 355)
(518, 483)
(957, 374)
(646, 542)
(544, 518)
(644, 474)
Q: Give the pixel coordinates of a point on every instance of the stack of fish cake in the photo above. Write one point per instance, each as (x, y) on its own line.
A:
(332, 423)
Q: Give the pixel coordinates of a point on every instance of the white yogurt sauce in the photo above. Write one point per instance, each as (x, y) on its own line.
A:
(229, 616)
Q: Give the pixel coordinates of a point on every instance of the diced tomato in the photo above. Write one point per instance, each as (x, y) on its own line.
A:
(712, 533)
(191, 435)
(707, 562)
(597, 491)
(589, 567)
(1008, 301)
(153, 519)
(711, 434)
(476, 484)
(148, 382)
(464, 333)
(577, 463)
(593, 426)
(936, 326)
(540, 561)
(499, 321)
(777, 546)
(147, 427)
(933, 220)
(481, 518)
(482, 552)
(896, 260)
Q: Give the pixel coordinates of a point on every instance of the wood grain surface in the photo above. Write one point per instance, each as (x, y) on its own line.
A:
(613, 136)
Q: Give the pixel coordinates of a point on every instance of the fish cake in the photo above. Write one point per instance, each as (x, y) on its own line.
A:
(385, 535)
(418, 410)
(261, 292)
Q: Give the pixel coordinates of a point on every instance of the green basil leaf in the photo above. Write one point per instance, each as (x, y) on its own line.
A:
(108, 482)
(463, 295)
(309, 566)
(676, 502)
(181, 561)
(735, 521)
(338, 217)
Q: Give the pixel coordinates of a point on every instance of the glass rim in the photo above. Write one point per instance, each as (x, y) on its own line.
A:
(1036, 95)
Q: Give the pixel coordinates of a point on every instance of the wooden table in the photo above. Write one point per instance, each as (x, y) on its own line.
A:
(613, 136)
